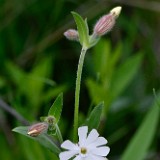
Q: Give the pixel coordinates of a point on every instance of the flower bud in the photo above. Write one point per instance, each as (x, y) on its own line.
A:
(37, 129)
(72, 34)
(106, 23)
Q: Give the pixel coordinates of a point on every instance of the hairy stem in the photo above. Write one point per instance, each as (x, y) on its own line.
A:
(77, 91)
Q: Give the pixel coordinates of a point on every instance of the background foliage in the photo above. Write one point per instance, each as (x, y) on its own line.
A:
(37, 63)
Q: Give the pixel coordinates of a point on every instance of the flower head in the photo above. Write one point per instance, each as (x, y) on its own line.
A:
(106, 23)
(88, 148)
(72, 34)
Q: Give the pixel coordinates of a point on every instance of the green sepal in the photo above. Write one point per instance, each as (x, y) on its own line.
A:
(51, 130)
(93, 40)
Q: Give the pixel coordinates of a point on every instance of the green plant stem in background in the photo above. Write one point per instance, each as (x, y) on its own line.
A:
(59, 134)
(77, 91)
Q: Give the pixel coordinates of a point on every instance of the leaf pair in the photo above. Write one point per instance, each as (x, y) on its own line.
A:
(85, 39)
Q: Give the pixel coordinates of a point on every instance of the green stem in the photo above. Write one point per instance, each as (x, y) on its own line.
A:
(77, 92)
(59, 135)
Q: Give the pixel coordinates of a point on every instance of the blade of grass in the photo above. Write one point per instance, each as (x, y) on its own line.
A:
(141, 141)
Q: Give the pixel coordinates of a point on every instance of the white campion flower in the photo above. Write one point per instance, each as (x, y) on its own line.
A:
(88, 148)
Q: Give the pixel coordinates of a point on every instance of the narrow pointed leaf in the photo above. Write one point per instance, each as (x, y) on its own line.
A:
(43, 139)
(141, 141)
(124, 74)
(100, 93)
(56, 108)
(94, 118)
(82, 28)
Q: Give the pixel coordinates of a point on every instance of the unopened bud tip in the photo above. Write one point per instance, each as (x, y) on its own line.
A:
(116, 11)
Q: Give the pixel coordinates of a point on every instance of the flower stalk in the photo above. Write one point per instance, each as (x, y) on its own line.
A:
(77, 91)
(103, 26)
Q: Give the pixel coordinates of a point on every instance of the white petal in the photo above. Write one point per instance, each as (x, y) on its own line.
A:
(98, 142)
(67, 155)
(82, 133)
(78, 158)
(101, 151)
(95, 157)
(69, 145)
(91, 157)
(93, 135)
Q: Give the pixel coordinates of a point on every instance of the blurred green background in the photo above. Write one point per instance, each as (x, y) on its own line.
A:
(37, 63)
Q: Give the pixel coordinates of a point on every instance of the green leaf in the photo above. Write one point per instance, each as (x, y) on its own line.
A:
(115, 56)
(94, 118)
(54, 91)
(101, 56)
(100, 93)
(36, 81)
(43, 139)
(56, 108)
(82, 28)
(141, 141)
(124, 75)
